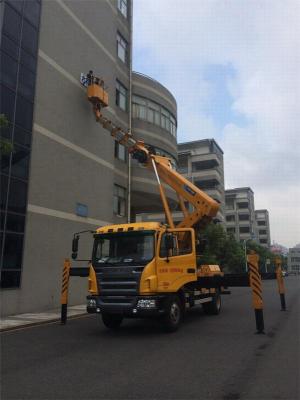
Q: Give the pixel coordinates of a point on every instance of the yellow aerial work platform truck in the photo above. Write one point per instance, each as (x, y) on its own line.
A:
(148, 269)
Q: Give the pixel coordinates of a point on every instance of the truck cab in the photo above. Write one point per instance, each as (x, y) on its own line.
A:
(141, 270)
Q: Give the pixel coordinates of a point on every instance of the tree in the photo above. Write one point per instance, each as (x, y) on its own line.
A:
(222, 249)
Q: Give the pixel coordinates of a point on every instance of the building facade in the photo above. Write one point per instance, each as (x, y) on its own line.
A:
(294, 260)
(240, 214)
(65, 173)
(154, 120)
(263, 227)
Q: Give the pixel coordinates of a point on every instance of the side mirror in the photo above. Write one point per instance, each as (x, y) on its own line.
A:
(75, 247)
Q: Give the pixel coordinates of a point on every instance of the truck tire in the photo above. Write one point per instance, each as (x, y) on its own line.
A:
(214, 306)
(112, 321)
(173, 316)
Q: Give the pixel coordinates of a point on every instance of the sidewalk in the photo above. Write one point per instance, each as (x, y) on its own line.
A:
(22, 320)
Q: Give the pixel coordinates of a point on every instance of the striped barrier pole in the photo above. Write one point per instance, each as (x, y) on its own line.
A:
(255, 283)
(281, 288)
(65, 291)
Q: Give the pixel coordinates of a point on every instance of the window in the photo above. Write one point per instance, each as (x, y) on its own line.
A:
(122, 47)
(243, 217)
(9, 69)
(230, 218)
(262, 232)
(26, 82)
(243, 205)
(244, 229)
(263, 241)
(29, 38)
(261, 223)
(32, 12)
(120, 151)
(182, 244)
(24, 113)
(119, 200)
(12, 23)
(121, 96)
(122, 6)
(229, 205)
(231, 230)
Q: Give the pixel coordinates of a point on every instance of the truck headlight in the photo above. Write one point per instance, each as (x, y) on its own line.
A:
(146, 303)
(91, 303)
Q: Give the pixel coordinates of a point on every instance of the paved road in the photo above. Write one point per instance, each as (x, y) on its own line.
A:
(211, 357)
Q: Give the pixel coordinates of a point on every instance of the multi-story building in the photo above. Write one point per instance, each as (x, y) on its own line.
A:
(240, 214)
(263, 227)
(294, 260)
(202, 163)
(65, 173)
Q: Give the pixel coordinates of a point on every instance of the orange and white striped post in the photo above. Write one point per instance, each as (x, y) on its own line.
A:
(65, 290)
(255, 283)
(281, 288)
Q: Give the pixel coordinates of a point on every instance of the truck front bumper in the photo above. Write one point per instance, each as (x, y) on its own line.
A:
(136, 306)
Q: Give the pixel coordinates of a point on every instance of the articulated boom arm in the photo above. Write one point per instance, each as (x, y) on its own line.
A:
(204, 207)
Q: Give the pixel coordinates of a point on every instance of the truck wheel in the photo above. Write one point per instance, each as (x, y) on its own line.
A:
(171, 320)
(214, 306)
(112, 321)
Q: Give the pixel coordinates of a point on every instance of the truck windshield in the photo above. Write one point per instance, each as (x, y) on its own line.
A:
(124, 248)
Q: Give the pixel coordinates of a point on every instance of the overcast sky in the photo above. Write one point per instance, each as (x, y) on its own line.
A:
(232, 66)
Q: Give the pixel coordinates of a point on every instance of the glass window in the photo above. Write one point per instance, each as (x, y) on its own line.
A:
(243, 205)
(5, 162)
(26, 82)
(12, 23)
(121, 96)
(32, 11)
(261, 223)
(264, 241)
(230, 218)
(4, 188)
(128, 247)
(230, 230)
(20, 162)
(15, 222)
(122, 6)
(122, 47)
(9, 69)
(229, 205)
(120, 151)
(22, 137)
(7, 104)
(28, 60)
(119, 200)
(157, 118)
(17, 4)
(262, 232)
(150, 115)
(10, 279)
(17, 196)
(243, 217)
(29, 38)
(13, 247)
(244, 229)
(9, 46)
(24, 113)
(182, 244)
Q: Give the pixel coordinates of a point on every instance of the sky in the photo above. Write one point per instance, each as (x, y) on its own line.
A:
(232, 66)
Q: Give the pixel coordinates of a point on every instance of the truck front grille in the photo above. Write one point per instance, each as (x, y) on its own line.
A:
(120, 281)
